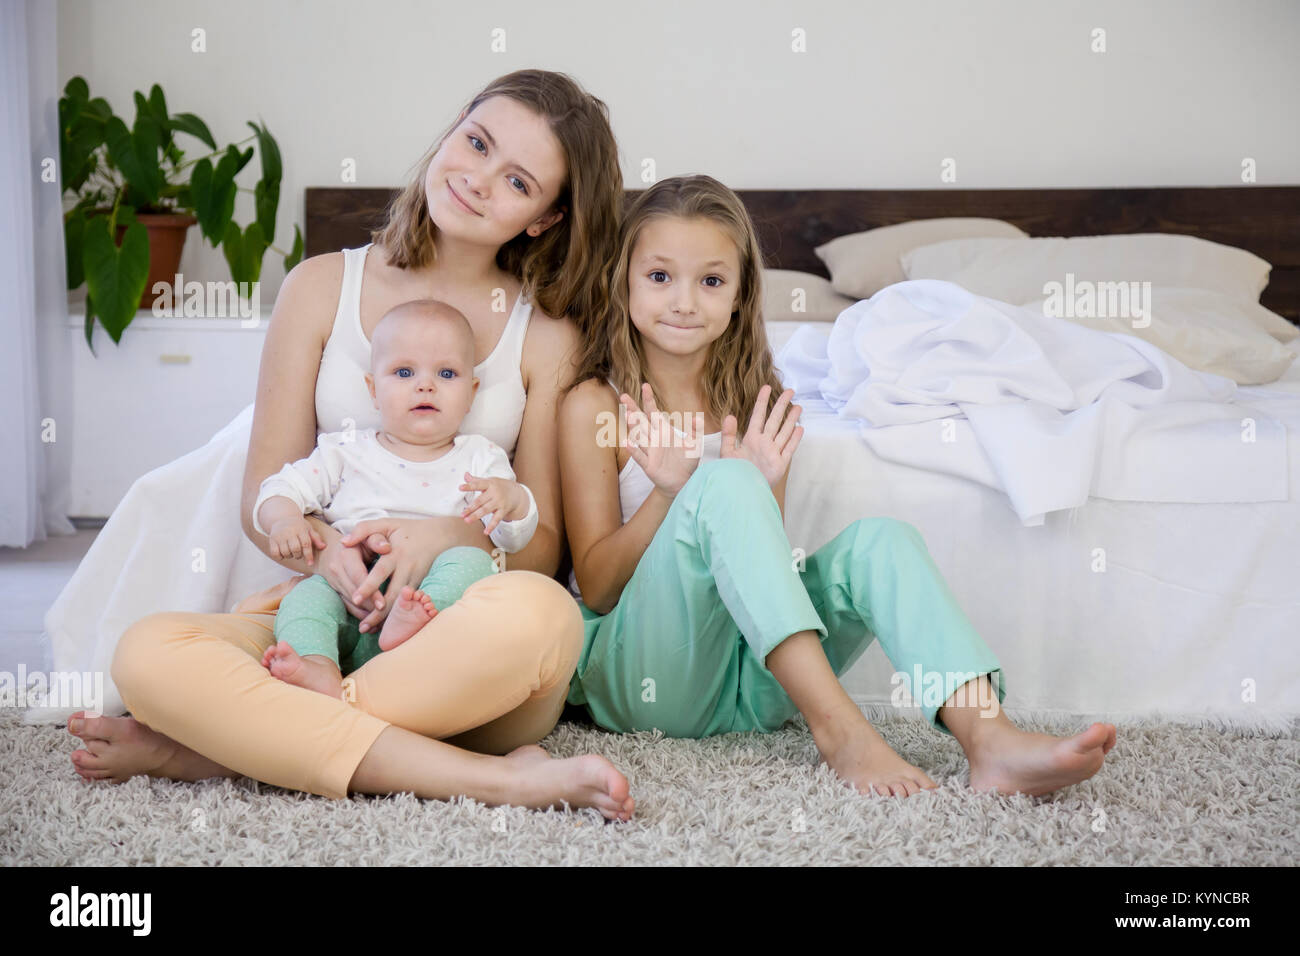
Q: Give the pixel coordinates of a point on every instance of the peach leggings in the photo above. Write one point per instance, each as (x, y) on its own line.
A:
(490, 673)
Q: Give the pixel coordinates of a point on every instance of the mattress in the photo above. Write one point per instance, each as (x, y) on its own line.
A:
(1133, 611)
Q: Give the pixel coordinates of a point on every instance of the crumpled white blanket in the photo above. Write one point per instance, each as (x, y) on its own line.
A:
(1045, 410)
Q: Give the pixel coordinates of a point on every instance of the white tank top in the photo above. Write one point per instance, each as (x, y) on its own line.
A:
(497, 411)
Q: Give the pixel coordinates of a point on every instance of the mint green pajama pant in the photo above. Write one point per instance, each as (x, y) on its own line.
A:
(313, 619)
(683, 650)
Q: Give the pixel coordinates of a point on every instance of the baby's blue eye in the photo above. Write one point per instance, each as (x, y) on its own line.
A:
(447, 373)
(404, 373)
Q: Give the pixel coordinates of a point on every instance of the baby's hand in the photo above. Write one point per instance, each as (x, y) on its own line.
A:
(294, 538)
(502, 498)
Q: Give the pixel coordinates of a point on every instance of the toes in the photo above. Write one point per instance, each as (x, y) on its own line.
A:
(98, 728)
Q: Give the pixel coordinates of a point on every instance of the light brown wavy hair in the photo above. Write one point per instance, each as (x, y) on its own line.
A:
(739, 362)
(565, 269)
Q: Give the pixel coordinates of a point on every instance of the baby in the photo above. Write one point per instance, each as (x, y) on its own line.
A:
(422, 381)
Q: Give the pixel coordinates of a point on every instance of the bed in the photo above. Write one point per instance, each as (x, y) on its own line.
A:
(1196, 617)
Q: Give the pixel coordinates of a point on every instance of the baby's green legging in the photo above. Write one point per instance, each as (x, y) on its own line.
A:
(313, 619)
(720, 586)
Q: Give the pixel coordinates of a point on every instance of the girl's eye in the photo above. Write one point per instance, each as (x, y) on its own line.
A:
(658, 272)
(476, 143)
(447, 373)
(719, 278)
(404, 373)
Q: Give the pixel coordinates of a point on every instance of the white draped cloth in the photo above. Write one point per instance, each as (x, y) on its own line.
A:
(1045, 410)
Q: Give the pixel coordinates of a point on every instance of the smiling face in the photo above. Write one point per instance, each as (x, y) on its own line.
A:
(683, 282)
(496, 174)
(422, 372)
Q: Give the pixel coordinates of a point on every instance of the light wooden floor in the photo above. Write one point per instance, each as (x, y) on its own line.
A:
(30, 579)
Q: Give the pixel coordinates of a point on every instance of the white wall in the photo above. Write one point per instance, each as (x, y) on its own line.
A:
(1011, 90)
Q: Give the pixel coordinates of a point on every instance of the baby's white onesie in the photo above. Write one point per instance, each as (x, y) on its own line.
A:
(350, 477)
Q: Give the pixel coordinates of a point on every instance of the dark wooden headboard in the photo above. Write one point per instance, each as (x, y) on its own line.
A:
(792, 222)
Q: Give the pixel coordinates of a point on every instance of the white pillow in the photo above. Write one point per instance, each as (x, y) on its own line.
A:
(1206, 331)
(1017, 270)
(784, 290)
(863, 263)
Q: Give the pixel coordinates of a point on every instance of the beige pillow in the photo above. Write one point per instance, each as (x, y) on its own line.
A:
(1207, 331)
(1017, 270)
(863, 263)
(785, 290)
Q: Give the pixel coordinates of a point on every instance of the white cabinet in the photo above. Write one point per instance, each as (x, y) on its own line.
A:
(163, 391)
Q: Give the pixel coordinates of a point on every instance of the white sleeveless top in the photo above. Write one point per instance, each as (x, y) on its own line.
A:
(497, 411)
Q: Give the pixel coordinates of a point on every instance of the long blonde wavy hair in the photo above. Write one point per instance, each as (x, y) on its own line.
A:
(739, 362)
(564, 270)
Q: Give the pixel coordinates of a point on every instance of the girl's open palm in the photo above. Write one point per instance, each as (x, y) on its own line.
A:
(667, 458)
(770, 440)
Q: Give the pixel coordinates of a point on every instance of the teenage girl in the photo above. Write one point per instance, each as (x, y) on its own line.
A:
(697, 618)
(517, 202)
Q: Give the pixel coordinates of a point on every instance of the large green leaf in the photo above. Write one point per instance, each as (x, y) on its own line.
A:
(81, 132)
(266, 195)
(189, 123)
(243, 251)
(266, 198)
(115, 276)
(213, 194)
(295, 254)
(136, 155)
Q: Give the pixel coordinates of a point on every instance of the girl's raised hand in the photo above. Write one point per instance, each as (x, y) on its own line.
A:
(667, 458)
(770, 440)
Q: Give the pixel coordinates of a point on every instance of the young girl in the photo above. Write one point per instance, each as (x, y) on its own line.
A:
(517, 201)
(697, 620)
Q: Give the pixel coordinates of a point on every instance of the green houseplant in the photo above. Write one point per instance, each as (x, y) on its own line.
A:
(114, 177)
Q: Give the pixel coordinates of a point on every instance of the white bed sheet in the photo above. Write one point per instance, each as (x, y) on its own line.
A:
(1198, 607)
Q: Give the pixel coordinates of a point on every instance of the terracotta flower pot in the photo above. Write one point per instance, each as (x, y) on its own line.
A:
(166, 240)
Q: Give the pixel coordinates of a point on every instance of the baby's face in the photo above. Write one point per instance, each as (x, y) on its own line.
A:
(422, 380)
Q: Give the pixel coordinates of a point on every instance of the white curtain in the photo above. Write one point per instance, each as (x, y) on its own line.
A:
(35, 360)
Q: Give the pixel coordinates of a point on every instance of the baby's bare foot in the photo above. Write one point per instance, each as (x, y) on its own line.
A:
(859, 755)
(413, 610)
(1014, 761)
(586, 781)
(312, 672)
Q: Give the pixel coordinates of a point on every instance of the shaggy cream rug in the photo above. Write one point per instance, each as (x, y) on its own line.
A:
(1168, 795)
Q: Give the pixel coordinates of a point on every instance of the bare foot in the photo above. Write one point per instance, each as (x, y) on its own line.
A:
(586, 781)
(859, 755)
(1015, 761)
(119, 748)
(413, 610)
(312, 672)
